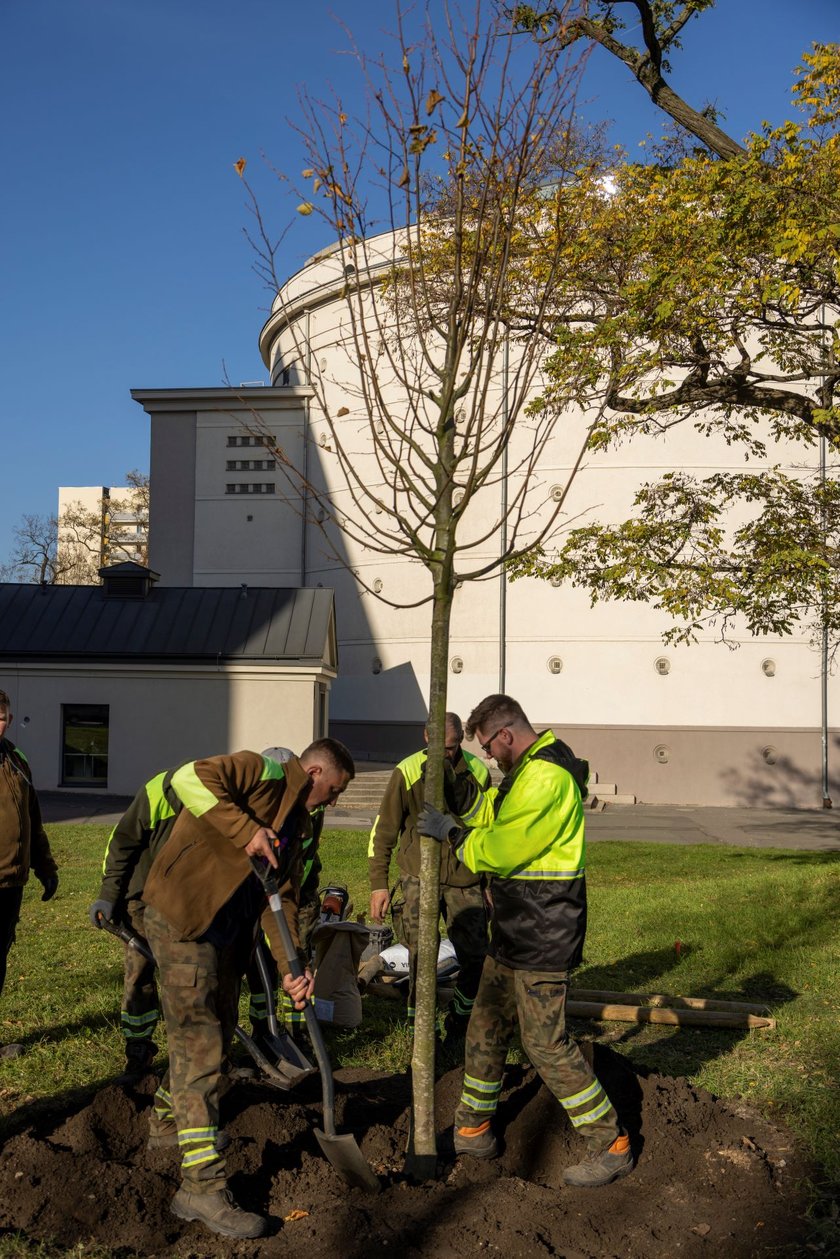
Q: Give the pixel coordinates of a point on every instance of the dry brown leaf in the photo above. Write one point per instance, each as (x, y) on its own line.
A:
(239, 166)
(295, 1215)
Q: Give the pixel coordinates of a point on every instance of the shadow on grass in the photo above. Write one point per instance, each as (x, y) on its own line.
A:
(60, 1032)
(805, 920)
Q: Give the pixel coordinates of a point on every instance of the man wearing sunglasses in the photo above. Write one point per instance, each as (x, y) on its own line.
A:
(528, 834)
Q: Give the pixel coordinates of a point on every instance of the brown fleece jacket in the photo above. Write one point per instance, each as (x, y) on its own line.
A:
(23, 842)
(203, 862)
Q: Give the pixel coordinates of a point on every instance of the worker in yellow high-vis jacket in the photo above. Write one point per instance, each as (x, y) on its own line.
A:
(528, 833)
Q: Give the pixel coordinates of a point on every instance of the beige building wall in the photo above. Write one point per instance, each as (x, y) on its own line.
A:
(162, 715)
(201, 533)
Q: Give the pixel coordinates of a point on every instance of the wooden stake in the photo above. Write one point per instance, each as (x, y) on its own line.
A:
(659, 999)
(686, 1017)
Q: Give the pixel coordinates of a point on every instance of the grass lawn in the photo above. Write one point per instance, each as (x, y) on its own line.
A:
(753, 925)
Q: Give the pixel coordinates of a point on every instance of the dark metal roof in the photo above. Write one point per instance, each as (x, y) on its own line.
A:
(171, 623)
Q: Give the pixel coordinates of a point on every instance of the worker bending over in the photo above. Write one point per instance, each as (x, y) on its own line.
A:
(202, 905)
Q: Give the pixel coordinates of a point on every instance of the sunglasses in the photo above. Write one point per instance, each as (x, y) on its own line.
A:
(485, 747)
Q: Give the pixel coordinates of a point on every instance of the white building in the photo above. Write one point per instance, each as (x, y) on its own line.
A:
(97, 525)
(699, 724)
(112, 683)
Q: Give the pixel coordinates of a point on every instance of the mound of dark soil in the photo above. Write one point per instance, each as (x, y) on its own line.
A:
(711, 1180)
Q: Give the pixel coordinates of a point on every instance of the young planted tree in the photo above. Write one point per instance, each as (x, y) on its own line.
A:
(467, 155)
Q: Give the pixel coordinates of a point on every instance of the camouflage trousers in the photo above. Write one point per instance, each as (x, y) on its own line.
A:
(199, 987)
(140, 1010)
(463, 911)
(10, 903)
(308, 914)
(536, 1000)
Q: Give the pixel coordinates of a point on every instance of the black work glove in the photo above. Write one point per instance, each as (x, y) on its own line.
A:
(50, 884)
(100, 910)
(437, 825)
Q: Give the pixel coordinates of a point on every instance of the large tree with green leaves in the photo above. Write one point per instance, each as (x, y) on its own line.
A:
(709, 291)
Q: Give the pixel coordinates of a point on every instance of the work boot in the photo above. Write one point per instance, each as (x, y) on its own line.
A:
(167, 1139)
(11, 1051)
(218, 1212)
(139, 1056)
(601, 1169)
(477, 1142)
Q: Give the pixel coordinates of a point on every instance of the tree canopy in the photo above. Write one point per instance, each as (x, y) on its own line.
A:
(708, 294)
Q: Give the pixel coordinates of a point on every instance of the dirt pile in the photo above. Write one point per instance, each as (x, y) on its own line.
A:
(710, 1181)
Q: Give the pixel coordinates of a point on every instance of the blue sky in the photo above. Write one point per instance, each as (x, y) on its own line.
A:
(122, 257)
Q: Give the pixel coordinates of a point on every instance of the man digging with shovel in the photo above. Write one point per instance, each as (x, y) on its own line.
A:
(202, 905)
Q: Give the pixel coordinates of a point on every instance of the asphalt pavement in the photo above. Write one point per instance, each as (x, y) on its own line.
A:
(808, 830)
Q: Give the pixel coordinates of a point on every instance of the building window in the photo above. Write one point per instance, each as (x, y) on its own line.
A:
(84, 745)
(249, 465)
(250, 487)
(237, 439)
(321, 711)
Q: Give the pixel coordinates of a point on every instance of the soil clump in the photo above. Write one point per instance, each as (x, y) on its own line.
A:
(712, 1179)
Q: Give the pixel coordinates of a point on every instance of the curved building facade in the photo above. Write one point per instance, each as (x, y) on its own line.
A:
(706, 724)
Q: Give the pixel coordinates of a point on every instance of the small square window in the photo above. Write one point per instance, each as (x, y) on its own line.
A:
(84, 753)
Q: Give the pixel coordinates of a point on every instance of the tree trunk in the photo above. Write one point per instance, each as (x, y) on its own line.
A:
(423, 1155)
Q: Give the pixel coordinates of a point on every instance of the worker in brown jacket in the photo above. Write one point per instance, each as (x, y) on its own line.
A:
(203, 904)
(23, 844)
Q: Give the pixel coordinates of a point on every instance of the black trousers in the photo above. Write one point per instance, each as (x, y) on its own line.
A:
(10, 902)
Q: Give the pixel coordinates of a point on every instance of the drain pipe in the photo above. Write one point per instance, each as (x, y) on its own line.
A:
(824, 663)
(304, 489)
(503, 529)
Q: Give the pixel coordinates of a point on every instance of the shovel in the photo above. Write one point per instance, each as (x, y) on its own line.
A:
(341, 1151)
(280, 1043)
(291, 1066)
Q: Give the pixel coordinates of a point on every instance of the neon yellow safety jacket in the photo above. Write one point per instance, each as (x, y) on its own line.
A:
(528, 833)
(395, 825)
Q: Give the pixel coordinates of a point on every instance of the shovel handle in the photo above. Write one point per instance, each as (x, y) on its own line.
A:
(268, 879)
(268, 988)
(128, 937)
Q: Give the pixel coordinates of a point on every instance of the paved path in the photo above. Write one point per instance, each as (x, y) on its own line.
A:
(805, 829)
(810, 830)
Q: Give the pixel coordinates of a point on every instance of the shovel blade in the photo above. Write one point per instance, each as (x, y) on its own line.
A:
(348, 1160)
(285, 1051)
